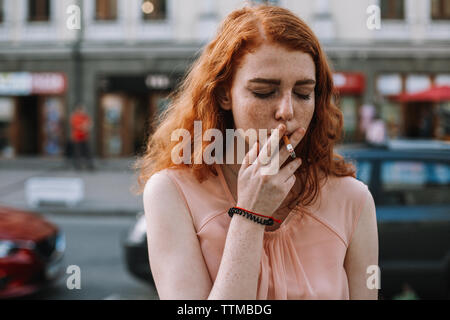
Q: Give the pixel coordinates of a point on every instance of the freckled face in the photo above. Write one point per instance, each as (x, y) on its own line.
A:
(273, 86)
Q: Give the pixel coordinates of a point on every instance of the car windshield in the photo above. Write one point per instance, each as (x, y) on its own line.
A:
(415, 182)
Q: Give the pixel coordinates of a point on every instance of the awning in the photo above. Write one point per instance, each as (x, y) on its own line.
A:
(435, 94)
(349, 82)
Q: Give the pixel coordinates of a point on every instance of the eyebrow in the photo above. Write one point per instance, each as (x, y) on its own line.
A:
(278, 82)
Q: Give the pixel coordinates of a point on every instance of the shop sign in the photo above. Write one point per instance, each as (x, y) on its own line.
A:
(349, 83)
(48, 83)
(157, 81)
(389, 84)
(26, 83)
(15, 83)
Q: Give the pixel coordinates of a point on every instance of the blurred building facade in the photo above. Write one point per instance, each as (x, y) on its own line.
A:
(128, 55)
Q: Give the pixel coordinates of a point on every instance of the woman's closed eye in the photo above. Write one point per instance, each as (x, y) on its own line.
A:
(268, 95)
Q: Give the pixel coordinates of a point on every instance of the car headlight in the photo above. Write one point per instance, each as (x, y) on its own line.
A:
(6, 248)
(60, 244)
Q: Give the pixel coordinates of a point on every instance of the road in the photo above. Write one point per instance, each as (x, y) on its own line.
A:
(94, 244)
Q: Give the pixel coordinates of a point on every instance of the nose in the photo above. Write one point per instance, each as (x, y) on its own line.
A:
(285, 110)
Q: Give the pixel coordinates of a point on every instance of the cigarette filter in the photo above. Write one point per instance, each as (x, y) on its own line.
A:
(289, 146)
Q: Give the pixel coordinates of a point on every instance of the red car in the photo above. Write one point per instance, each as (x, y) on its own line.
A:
(31, 252)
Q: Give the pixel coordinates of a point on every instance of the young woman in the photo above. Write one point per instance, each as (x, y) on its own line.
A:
(265, 69)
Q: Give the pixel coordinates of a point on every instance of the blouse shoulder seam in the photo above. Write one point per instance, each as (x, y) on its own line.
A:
(181, 193)
(328, 226)
(211, 217)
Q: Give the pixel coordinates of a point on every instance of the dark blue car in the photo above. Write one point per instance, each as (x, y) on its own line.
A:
(412, 196)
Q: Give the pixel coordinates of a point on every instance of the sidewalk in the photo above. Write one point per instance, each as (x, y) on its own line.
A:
(106, 190)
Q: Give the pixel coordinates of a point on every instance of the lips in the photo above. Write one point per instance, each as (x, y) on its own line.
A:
(287, 132)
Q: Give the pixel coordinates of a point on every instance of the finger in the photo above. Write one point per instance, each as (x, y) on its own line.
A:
(266, 154)
(288, 170)
(291, 181)
(251, 155)
(295, 139)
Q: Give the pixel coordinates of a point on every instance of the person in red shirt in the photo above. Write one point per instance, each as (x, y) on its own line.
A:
(81, 124)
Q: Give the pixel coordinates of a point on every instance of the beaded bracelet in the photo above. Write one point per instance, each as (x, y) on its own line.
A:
(252, 216)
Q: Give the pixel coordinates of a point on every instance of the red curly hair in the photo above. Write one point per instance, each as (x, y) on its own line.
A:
(198, 96)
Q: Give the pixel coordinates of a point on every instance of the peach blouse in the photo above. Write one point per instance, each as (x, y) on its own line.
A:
(304, 257)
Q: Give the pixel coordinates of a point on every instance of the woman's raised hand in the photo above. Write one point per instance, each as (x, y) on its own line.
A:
(260, 192)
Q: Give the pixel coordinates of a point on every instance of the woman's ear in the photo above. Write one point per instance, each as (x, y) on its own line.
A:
(224, 98)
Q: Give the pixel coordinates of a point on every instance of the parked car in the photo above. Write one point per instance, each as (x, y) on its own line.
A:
(136, 251)
(412, 196)
(411, 189)
(31, 253)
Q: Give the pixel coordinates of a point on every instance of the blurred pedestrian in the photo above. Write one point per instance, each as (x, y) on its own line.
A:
(376, 131)
(367, 113)
(80, 124)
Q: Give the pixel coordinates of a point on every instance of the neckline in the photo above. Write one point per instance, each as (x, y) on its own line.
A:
(292, 214)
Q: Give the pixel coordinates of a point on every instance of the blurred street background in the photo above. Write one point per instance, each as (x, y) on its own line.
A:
(87, 78)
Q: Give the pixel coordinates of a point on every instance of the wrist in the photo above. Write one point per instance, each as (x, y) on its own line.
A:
(252, 216)
(253, 209)
(246, 223)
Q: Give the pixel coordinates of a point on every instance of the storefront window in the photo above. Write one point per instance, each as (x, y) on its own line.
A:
(6, 117)
(1, 11)
(389, 85)
(105, 10)
(154, 9)
(440, 9)
(392, 9)
(392, 116)
(130, 106)
(443, 129)
(112, 108)
(53, 126)
(443, 125)
(38, 10)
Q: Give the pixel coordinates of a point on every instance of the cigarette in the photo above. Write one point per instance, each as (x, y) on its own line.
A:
(289, 147)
